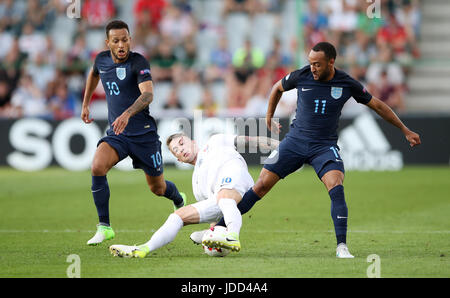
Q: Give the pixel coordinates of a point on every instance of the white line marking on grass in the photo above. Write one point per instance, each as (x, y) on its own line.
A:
(257, 231)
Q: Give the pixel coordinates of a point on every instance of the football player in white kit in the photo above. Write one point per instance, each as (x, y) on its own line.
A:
(219, 180)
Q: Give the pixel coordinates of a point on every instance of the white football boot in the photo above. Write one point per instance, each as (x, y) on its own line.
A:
(103, 233)
(197, 236)
(342, 252)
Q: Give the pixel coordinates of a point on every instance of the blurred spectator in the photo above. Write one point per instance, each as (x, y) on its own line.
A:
(79, 51)
(13, 64)
(207, 104)
(282, 60)
(32, 42)
(164, 63)
(358, 55)
(385, 79)
(315, 25)
(314, 17)
(390, 93)
(146, 36)
(342, 18)
(173, 106)
(41, 71)
(11, 15)
(393, 34)
(152, 9)
(243, 79)
(97, 13)
(38, 38)
(177, 25)
(187, 55)
(408, 16)
(5, 90)
(36, 14)
(6, 40)
(219, 63)
(239, 6)
(62, 103)
(28, 100)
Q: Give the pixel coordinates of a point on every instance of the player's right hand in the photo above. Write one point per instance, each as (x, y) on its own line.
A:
(85, 115)
(413, 138)
(273, 125)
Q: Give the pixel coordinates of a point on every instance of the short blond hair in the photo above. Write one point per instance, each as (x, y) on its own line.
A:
(174, 136)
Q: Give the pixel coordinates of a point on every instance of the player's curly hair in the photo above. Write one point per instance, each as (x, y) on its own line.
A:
(327, 48)
(116, 24)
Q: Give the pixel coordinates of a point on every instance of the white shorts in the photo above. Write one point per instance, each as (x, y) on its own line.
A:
(233, 175)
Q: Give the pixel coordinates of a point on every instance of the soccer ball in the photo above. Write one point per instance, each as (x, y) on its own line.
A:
(214, 251)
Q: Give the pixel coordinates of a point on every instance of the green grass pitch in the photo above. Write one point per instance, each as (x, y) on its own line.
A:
(403, 217)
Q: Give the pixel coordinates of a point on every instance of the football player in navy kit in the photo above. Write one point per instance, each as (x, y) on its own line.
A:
(127, 82)
(322, 92)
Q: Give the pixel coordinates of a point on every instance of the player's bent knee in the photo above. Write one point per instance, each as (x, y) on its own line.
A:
(226, 193)
(188, 214)
(99, 169)
(332, 179)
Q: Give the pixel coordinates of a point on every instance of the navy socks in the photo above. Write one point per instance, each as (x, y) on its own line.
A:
(248, 200)
(339, 213)
(100, 192)
(173, 194)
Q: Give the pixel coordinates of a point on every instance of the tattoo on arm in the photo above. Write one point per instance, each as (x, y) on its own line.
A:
(141, 103)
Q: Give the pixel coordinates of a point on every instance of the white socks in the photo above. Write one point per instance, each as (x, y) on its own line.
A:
(231, 215)
(166, 233)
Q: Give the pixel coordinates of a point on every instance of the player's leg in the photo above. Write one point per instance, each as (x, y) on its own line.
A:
(330, 170)
(168, 231)
(278, 165)
(163, 236)
(333, 181)
(146, 155)
(227, 200)
(104, 159)
(199, 212)
(165, 188)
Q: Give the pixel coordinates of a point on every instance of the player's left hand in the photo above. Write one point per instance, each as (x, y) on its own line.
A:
(413, 138)
(120, 123)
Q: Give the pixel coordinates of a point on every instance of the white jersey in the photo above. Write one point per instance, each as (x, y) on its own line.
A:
(217, 152)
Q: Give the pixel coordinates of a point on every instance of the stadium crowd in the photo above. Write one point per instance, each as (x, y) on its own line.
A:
(45, 55)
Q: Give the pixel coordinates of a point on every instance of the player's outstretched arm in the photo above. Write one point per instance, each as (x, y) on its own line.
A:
(264, 143)
(91, 84)
(141, 103)
(387, 114)
(274, 98)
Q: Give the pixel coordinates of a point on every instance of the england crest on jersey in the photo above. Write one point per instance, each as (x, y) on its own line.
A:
(336, 92)
(121, 73)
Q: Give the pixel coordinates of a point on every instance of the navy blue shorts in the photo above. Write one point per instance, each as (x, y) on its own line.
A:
(292, 154)
(144, 150)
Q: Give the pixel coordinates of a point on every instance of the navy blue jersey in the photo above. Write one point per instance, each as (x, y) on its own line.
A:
(121, 83)
(319, 104)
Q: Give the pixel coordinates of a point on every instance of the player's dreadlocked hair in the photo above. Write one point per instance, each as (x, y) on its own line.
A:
(327, 48)
(116, 24)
